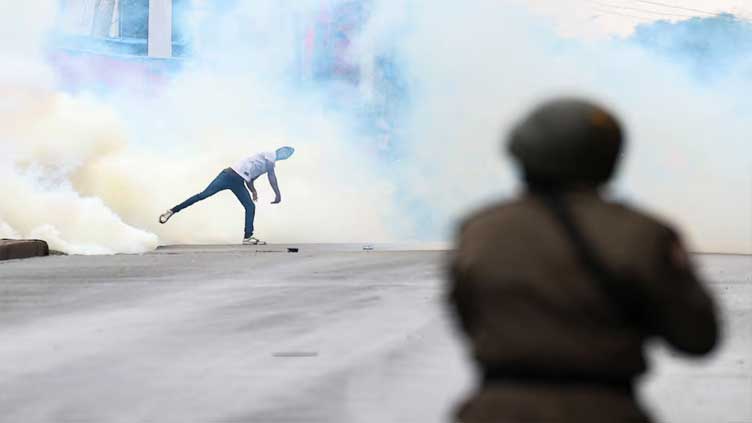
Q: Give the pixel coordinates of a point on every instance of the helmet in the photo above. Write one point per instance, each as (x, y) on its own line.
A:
(567, 141)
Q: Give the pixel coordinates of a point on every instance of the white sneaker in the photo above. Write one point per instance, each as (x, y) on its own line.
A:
(253, 241)
(164, 217)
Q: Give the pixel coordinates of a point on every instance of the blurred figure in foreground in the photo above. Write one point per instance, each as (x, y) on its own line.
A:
(558, 290)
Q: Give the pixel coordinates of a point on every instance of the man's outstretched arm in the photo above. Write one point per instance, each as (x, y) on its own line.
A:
(275, 187)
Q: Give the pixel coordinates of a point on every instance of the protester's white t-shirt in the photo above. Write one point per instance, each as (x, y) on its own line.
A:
(252, 167)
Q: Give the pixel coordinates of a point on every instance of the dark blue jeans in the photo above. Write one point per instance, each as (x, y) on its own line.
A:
(227, 179)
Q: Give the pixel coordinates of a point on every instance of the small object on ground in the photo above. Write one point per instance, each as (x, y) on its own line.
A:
(368, 248)
(164, 217)
(253, 241)
(295, 354)
(17, 249)
(292, 250)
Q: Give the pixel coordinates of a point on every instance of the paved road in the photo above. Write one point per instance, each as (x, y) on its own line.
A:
(330, 334)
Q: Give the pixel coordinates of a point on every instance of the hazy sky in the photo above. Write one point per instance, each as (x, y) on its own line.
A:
(598, 18)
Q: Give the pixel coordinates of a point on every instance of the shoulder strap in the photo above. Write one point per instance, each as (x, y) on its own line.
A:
(619, 290)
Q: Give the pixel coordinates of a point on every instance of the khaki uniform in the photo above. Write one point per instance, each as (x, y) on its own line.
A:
(557, 347)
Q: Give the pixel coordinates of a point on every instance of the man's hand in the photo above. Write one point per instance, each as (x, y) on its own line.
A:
(252, 189)
(273, 182)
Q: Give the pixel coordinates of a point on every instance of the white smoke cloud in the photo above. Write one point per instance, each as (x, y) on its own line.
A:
(46, 139)
(477, 67)
(91, 174)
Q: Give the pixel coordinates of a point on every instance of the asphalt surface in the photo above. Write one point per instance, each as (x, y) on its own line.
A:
(333, 333)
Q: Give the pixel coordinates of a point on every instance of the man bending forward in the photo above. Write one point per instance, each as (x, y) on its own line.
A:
(237, 178)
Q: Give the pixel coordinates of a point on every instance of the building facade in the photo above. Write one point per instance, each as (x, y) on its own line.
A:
(130, 27)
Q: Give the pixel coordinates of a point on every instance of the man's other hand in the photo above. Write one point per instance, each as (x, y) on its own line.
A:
(254, 196)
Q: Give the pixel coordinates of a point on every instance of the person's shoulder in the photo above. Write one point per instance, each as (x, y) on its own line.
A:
(492, 213)
(638, 216)
(653, 240)
(269, 156)
(644, 228)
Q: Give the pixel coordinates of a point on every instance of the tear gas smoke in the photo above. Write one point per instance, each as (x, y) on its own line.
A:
(477, 67)
(91, 172)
